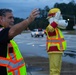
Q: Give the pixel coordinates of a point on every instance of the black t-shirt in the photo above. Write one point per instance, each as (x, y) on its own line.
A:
(4, 40)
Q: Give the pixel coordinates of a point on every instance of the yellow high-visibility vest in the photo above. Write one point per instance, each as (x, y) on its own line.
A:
(19, 68)
(14, 61)
(57, 40)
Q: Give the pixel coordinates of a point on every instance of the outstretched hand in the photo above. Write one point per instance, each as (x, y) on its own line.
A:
(33, 15)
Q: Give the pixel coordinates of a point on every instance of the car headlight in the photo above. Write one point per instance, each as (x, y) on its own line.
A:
(37, 33)
(42, 32)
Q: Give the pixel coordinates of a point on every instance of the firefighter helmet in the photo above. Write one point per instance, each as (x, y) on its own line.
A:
(52, 12)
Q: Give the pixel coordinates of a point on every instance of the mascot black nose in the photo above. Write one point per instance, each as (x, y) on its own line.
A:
(66, 21)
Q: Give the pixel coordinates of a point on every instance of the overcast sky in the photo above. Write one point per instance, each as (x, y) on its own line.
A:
(22, 8)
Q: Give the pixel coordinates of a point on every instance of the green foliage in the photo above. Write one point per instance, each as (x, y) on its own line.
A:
(68, 12)
(39, 23)
(17, 20)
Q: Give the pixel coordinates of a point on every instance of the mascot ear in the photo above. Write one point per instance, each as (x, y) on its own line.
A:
(57, 15)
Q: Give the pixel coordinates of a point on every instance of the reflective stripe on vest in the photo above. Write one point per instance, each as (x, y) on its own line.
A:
(4, 61)
(13, 64)
(11, 54)
(57, 40)
(16, 63)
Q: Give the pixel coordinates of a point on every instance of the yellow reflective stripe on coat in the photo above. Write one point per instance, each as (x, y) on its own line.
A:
(57, 40)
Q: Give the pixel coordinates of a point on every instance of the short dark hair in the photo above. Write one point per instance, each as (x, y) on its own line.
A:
(4, 11)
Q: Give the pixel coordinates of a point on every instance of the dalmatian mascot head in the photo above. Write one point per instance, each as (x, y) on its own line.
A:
(54, 15)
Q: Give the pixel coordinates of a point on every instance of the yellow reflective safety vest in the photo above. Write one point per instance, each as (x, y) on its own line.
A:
(14, 61)
(57, 40)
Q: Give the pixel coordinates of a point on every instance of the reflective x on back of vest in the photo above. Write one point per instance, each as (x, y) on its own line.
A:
(58, 40)
(14, 64)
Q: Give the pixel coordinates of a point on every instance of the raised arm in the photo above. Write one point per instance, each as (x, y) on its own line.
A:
(18, 28)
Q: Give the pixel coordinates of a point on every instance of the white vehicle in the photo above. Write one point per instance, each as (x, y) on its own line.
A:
(74, 27)
(37, 33)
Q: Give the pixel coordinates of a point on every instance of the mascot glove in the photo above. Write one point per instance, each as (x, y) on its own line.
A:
(57, 15)
(52, 19)
(49, 28)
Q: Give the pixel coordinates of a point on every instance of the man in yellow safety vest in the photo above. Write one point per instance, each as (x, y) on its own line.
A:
(11, 60)
(55, 43)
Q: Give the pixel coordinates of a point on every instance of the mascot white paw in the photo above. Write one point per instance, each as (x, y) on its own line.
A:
(54, 15)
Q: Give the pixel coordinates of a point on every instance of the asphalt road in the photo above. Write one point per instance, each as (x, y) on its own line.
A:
(30, 46)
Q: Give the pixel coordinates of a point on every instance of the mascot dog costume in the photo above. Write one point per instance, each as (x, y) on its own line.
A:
(55, 43)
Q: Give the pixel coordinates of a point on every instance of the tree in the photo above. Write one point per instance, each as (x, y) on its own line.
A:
(68, 12)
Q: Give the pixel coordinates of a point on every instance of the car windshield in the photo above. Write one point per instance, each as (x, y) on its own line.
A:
(40, 29)
(35, 30)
